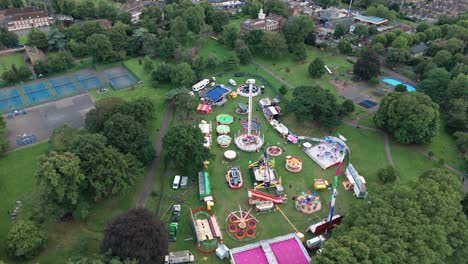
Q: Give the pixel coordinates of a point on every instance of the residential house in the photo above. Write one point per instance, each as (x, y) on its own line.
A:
(26, 18)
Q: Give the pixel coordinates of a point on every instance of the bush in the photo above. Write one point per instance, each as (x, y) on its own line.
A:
(387, 175)
(400, 88)
(25, 240)
(347, 106)
(317, 68)
(283, 90)
(374, 81)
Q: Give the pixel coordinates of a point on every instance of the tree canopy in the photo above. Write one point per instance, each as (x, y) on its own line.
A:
(315, 103)
(136, 234)
(61, 182)
(25, 240)
(128, 136)
(3, 138)
(38, 39)
(367, 65)
(108, 172)
(317, 68)
(104, 109)
(185, 150)
(404, 224)
(409, 117)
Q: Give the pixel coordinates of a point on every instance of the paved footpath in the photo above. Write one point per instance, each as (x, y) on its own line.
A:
(155, 164)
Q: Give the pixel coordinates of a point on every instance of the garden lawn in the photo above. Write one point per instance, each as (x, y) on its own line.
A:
(6, 61)
(17, 182)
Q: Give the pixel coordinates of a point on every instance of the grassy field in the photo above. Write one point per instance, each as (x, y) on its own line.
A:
(7, 61)
(17, 183)
(297, 73)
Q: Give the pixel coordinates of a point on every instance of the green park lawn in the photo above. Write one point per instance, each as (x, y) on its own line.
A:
(17, 183)
(7, 61)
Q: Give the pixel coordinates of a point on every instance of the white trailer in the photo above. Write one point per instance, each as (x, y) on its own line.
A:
(315, 242)
(200, 85)
(184, 256)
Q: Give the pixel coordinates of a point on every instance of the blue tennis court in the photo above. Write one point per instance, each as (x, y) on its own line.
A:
(367, 104)
(88, 80)
(37, 93)
(10, 99)
(120, 78)
(64, 86)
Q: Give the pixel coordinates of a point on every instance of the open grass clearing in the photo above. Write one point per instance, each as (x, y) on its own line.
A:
(12, 59)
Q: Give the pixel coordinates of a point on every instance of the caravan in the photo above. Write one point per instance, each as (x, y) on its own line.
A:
(200, 85)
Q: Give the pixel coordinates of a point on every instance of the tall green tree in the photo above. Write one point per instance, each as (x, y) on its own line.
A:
(62, 138)
(315, 103)
(136, 234)
(183, 75)
(317, 68)
(219, 20)
(296, 30)
(344, 47)
(185, 150)
(340, 30)
(141, 109)
(435, 84)
(162, 73)
(25, 240)
(108, 172)
(129, 136)
(100, 48)
(61, 183)
(195, 17)
(409, 117)
(230, 35)
(8, 39)
(38, 39)
(367, 65)
(276, 7)
(104, 109)
(273, 45)
(327, 3)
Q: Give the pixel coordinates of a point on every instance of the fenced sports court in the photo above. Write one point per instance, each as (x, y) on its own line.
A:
(120, 78)
(10, 99)
(88, 80)
(37, 93)
(64, 86)
(50, 89)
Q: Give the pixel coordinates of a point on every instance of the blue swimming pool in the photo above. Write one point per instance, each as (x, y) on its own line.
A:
(395, 82)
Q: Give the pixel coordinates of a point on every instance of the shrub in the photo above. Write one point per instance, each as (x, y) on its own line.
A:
(387, 175)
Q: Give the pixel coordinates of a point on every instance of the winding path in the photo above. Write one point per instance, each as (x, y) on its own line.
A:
(154, 166)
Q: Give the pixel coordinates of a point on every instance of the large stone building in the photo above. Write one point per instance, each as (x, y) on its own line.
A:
(274, 23)
(26, 18)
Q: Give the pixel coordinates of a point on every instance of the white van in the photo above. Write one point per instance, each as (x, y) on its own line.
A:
(176, 182)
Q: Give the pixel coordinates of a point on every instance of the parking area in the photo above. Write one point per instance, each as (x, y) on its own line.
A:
(40, 121)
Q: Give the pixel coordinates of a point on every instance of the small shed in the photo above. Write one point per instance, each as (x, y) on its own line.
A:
(184, 182)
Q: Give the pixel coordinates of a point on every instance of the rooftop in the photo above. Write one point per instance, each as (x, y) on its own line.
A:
(371, 19)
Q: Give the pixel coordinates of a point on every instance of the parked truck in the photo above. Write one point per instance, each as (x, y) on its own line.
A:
(184, 256)
(175, 213)
(173, 228)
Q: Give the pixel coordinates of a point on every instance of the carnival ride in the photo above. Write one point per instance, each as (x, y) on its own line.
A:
(234, 178)
(308, 202)
(293, 164)
(224, 141)
(274, 151)
(246, 140)
(242, 224)
(230, 155)
(256, 196)
(264, 175)
(223, 130)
